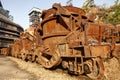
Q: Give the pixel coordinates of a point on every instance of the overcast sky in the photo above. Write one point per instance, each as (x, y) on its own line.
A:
(19, 9)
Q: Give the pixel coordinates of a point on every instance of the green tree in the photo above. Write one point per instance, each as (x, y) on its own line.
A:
(113, 15)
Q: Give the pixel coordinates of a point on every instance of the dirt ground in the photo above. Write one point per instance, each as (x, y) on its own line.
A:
(16, 69)
(46, 74)
(112, 69)
(10, 71)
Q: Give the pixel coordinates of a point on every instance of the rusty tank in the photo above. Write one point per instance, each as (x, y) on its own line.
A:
(76, 42)
(68, 37)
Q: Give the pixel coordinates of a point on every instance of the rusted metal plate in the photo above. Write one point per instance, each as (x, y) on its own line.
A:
(67, 36)
(116, 50)
(102, 51)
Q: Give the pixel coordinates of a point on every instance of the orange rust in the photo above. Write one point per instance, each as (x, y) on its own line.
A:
(65, 35)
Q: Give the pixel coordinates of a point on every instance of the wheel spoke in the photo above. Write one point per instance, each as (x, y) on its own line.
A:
(49, 60)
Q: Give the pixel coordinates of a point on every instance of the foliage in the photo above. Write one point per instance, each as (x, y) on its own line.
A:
(106, 15)
(87, 4)
(113, 15)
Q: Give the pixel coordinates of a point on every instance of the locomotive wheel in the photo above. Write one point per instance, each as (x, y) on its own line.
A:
(49, 60)
(23, 55)
(96, 68)
(34, 58)
(16, 54)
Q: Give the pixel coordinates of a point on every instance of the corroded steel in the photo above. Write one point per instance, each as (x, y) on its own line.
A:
(27, 46)
(76, 39)
(4, 51)
(65, 35)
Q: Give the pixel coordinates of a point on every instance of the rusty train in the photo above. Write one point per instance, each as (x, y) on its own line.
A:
(68, 37)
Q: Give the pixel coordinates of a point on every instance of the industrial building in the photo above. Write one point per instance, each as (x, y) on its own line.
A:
(8, 29)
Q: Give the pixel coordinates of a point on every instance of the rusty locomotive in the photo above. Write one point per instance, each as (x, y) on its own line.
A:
(66, 36)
